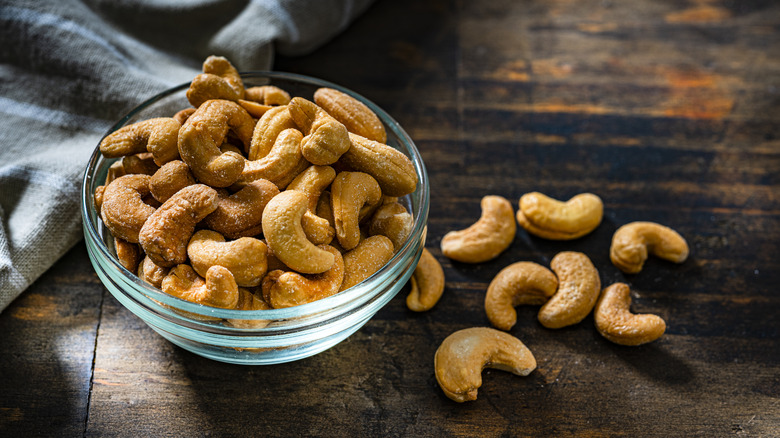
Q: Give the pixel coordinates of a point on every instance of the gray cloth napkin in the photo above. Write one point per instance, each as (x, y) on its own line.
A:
(69, 69)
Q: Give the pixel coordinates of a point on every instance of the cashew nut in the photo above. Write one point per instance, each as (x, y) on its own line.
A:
(285, 236)
(123, 209)
(139, 163)
(151, 273)
(220, 80)
(517, 284)
(268, 95)
(219, 289)
(326, 138)
(552, 219)
(282, 164)
(287, 289)
(578, 289)
(312, 182)
(128, 254)
(165, 234)
(245, 258)
(485, 239)
(615, 321)
(463, 355)
(355, 115)
(352, 193)
(169, 179)
(392, 169)
(202, 135)
(427, 283)
(241, 214)
(158, 136)
(318, 230)
(249, 301)
(365, 259)
(183, 115)
(392, 220)
(632, 242)
(254, 109)
(268, 128)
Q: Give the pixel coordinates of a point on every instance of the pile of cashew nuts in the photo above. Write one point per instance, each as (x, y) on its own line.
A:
(253, 199)
(567, 292)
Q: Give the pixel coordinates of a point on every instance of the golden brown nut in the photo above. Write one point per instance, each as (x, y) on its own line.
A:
(183, 115)
(485, 239)
(245, 258)
(578, 289)
(268, 128)
(427, 283)
(313, 181)
(632, 242)
(220, 80)
(123, 209)
(463, 355)
(254, 109)
(392, 220)
(517, 284)
(351, 193)
(158, 136)
(151, 273)
(219, 289)
(286, 289)
(169, 179)
(268, 95)
(392, 169)
(241, 214)
(282, 164)
(549, 218)
(249, 301)
(142, 163)
(326, 138)
(615, 321)
(365, 259)
(352, 113)
(318, 230)
(128, 254)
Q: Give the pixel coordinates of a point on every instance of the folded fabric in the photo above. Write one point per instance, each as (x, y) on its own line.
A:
(69, 69)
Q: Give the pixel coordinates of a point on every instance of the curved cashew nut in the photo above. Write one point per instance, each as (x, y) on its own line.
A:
(578, 289)
(282, 164)
(355, 115)
(487, 238)
(313, 181)
(169, 179)
(517, 284)
(220, 80)
(318, 230)
(164, 236)
(183, 115)
(463, 355)
(268, 95)
(241, 214)
(350, 193)
(123, 210)
(427, 283)
(151, 273)
(326, 138)
(287, 289)
(615, 321)
(202, 135)
(128, 254)
(158, 136)
(632, 242)
(139, 163)
(392, 169)
(268, 128)
(392, 220)
(552, 219)
(285, 236)
(365, 259)
(249, 301)
(219, 289)
(245, 258)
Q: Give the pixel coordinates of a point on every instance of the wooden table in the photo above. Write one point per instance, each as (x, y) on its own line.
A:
(667, 110)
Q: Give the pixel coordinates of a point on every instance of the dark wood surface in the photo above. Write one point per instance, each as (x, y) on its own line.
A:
(670, 111)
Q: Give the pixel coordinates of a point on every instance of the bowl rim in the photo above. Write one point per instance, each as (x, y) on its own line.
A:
(364, 289)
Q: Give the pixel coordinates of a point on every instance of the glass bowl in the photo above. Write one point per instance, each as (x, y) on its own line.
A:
(291, 333)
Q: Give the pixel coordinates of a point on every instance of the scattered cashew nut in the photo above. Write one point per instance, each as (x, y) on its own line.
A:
(487, 238)
(245, 258)
(427, 283)
(578, 289)
(517, 284)
(615, 321)
(549, 218)
(632, 242)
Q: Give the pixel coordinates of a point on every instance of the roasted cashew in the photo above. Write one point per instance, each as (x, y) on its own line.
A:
(123, 209)
(245, 258)
(615, 321)
(268, 128)
(355, 115)
(142, 163)
(254, 109)
(158, 136)
(365, 259)
(392, 169)
(151, 273)
(268, 95)
(98, 198)
(463, 355)
(241, 214)
(318, 230)
(282, 164)
(313, 181)
(183, 115)
(165, 234)
(485, 239)
(284, 234)
(286, 289)
(202, 135)
(219, 289)
(392, 220)
(219, 80)
(427, 283)
(632, 242)
(549, 218)
(169, 179)
(578, 289)
(326, 138)
(128, 254)
(517, 284)
(351, 193)
(249, 301)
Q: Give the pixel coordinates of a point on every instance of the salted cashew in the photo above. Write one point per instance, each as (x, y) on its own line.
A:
(427, 283)
(219, 80)
(151, 273)
(578, 289)
(517, 284)
(158, 136)
(268, 128)
(392, 169)
(318, 230)
(351, 193)
(354, 114)
(123, 210)
(128, 254)
(202, 135)
(139, 163)
(549, 218)
(183, 115)
(241, 214)
(282, 164)
(268, 95)
(165, 234)
(486, 238)
(218, 289)
(463, 355)
(249, 301)
(365, 259)
(286, 238)
(245, 258)
(392, 220)
(326, 138)
(286, 289)
(313, 181)
(98, 198)
(632, 243)
(254, 109)
(169, 179)
(615, 321)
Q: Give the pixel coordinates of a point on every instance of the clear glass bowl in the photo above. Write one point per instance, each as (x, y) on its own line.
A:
(292, 333)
